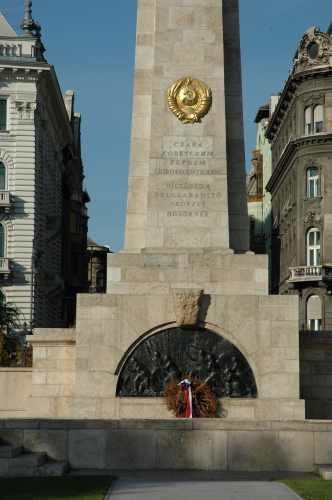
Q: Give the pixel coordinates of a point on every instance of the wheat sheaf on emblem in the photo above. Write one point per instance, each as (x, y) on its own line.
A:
(189, 100)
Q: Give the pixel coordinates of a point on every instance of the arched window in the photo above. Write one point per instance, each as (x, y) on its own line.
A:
(2, 177)
(313, 247)
(314, 313)
(307, 121)
(313, 184)
(2, 241)
(318, 119)
(314, 119)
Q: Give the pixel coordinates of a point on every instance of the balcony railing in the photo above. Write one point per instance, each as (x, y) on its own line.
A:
(4, 266)
(310, 273)
(10, 49)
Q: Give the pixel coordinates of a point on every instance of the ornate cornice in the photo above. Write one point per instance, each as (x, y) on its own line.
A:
(287, 96)
(22, 72)
(290, 150)
(315, 49)
(281, 108)
(313, 60)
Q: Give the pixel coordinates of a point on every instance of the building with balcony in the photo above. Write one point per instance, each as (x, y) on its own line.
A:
(43, 214)
(300, 132)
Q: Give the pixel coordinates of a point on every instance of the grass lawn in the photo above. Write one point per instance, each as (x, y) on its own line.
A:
(311, 489)
(63, 488)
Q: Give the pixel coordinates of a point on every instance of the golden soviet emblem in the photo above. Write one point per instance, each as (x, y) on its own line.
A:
(190, 100)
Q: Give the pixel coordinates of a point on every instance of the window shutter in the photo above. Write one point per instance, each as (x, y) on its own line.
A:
(2, 177)
(2, 241)
(3, 114)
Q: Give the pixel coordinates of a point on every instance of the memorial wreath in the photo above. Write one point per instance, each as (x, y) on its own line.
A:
(191, 398)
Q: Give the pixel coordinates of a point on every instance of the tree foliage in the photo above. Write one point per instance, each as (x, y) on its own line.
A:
(13, 351)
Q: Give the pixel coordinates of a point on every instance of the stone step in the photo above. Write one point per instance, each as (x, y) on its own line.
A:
(9, 451)
(15, 463)
(24, 465)
(325, 472)
(47, 469)
(53, 469)
(28, 460)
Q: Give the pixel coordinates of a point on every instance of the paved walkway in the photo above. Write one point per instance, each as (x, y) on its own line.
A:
(210, 490)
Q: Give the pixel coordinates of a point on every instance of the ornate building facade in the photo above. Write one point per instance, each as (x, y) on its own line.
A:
(43, 218)
(300, 132)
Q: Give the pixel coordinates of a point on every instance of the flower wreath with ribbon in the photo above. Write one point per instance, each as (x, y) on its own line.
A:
(191, 398)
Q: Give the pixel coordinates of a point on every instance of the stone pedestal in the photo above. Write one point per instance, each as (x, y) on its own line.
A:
(77, 376)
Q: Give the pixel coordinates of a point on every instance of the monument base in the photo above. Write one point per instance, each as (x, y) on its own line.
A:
(76, 373)
(213, 444)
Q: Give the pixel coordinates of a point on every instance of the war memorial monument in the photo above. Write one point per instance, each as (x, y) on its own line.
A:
(184, 296)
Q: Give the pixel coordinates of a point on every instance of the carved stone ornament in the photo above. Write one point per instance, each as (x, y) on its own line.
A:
(178, 353)
(311, 218)
(315, 49)
(189, 99)
(187, 304)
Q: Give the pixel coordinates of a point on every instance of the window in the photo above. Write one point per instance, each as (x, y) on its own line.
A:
(3, 114)
(307, 120)
(2, 241)
(314, 119)
(318, 119)
(314, 313)
(314, 325)
(313, 184)
(313, 50)
(2, 177)
(313, 247)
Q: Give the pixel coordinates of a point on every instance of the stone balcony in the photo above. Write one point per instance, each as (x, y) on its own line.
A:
(302, 274)
(5, 199)
(20, 48)
(4, 266)
(11, 49)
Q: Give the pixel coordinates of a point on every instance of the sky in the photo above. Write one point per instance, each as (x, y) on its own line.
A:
(92, 45)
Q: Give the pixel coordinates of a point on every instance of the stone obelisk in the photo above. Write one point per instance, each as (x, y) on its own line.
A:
(187, 179)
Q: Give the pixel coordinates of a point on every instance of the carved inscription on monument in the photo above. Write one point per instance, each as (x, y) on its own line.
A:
(183, 178)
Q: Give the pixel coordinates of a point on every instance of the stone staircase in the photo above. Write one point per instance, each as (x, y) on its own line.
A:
(17, 462)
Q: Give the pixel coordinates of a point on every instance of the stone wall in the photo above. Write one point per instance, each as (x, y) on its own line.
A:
(213, 444)
(53, 376)
(316, 373)
(15, 390)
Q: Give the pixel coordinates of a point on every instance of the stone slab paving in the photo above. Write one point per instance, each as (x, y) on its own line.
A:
(124, 489)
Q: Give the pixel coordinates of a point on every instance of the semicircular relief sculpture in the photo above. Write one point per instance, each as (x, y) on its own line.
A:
(186, 352)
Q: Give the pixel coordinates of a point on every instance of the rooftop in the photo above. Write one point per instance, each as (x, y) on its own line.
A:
(24, 47)
(5, 28)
